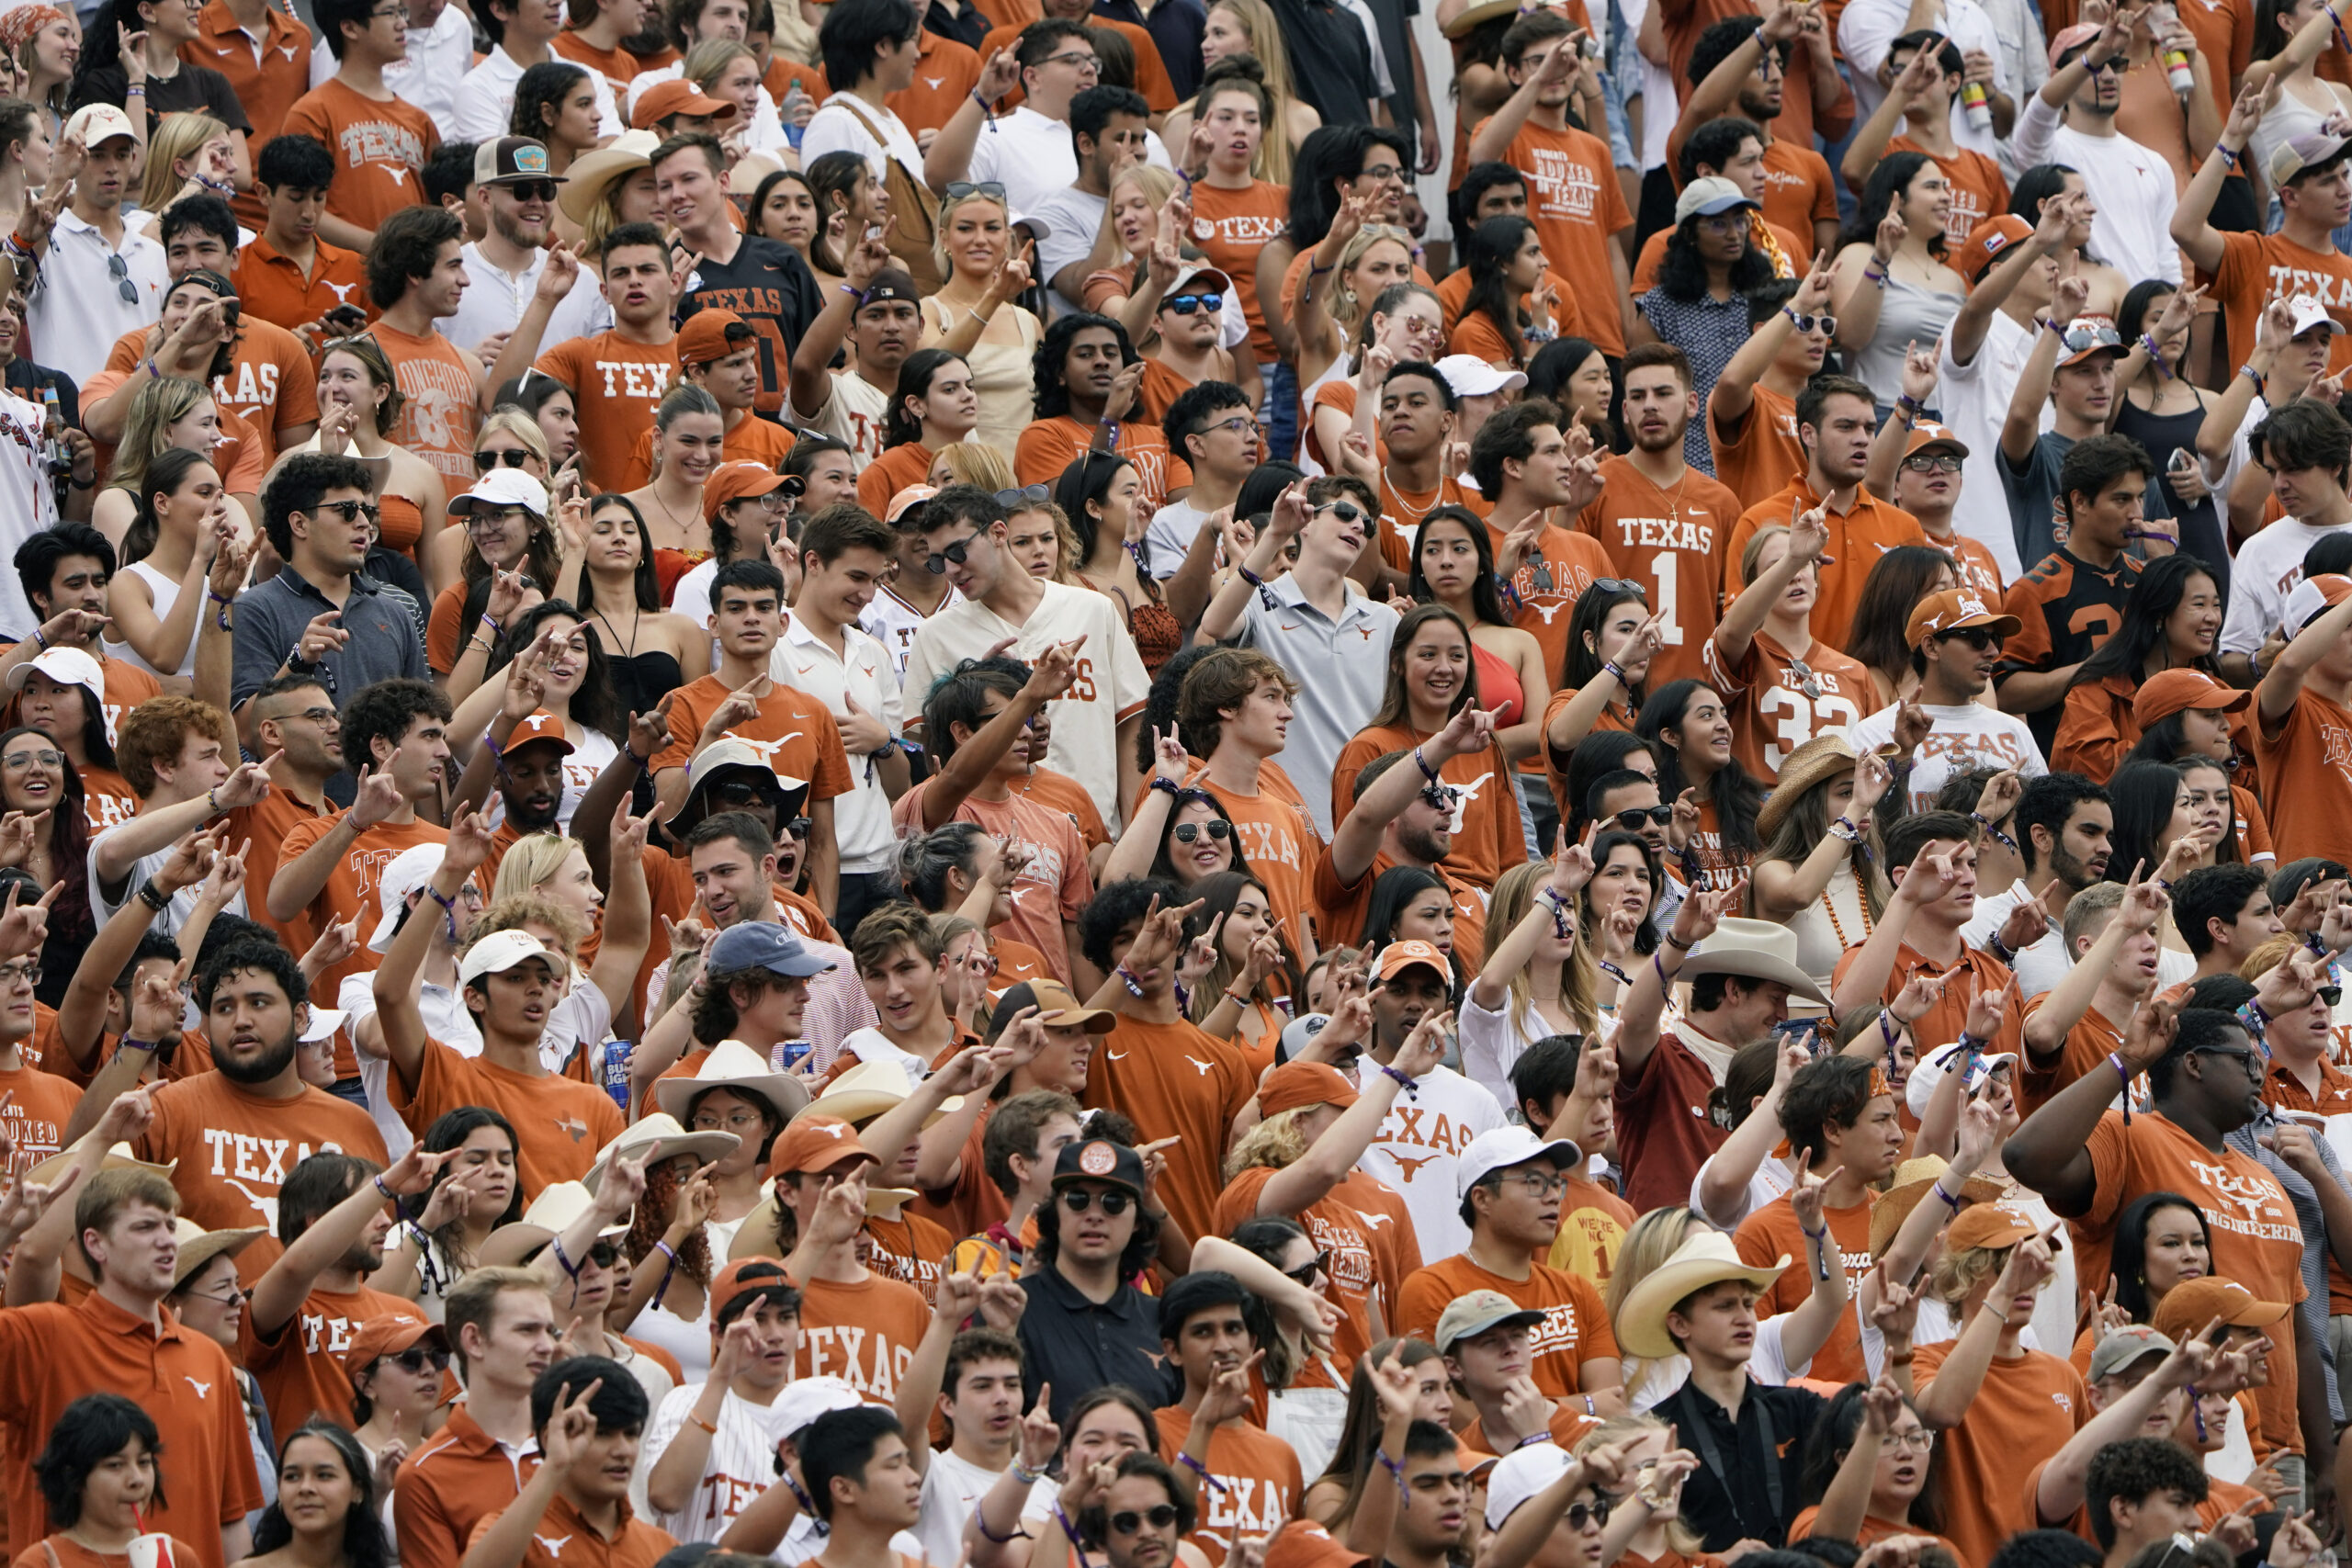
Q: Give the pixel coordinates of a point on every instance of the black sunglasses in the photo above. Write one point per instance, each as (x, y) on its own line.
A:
(797, 827)
(511, 457)
(952, 555)
(1976, 638)
(1187, 832)
(419, 1359)
(1632, 816)
(350, 510)
(1077, 1199)
(531, 190)
(1127, 1521)
(1319, 1264)
(1580, 1515)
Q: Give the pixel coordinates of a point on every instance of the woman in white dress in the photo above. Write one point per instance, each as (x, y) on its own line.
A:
(157, 598)
(1539, 978)
(733, 1092)
(668, 1301)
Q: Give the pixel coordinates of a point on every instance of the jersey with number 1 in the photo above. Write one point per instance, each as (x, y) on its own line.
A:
(1778, 702)
(1671, 543)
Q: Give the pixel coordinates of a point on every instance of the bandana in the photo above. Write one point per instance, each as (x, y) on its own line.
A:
(18, 27)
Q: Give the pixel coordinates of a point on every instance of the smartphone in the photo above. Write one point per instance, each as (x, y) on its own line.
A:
(1807, 1029)
(346, 319)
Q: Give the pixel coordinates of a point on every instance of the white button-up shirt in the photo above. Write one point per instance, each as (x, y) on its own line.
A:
(496, 300)
(862, 673)
(485, 104)
(77, 308)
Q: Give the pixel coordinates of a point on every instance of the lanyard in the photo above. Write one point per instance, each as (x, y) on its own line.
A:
(1701, 1434)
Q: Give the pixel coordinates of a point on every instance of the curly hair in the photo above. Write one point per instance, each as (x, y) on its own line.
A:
(663, 1181)
(1047, 366)
(539, 97)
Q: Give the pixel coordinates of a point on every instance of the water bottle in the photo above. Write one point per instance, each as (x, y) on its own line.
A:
(1980, 110)
(785, 112)
(617, 1055)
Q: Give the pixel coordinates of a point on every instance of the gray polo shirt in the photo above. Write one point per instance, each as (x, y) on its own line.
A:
(1341, 667)
(386, 625)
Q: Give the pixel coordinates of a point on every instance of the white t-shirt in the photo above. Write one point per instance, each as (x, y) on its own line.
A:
(854, 415)
(836, 129)
(740, 1466)
(2131, 185)
(485, 99)
(1965, 737)
(2268, 566)
(861, 830)
(1111, 680)
(1867, 31)
(1072, 220)
(1414, 1151)
(952, 1489)
(1974, 400)
(1169, 537)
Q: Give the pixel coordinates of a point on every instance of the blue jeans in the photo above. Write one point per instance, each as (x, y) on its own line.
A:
(1282, 410)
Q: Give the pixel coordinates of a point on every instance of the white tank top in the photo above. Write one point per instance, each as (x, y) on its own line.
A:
(165, 592)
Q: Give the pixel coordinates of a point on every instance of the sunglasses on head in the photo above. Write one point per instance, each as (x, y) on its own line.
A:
(1077, 1199)
(1632, 816)
(1188, 832)
(1127, 1520)
(1027, 495)
(1193, 304)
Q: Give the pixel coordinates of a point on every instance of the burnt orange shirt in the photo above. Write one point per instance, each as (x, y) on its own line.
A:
(1758, 460)
(617, 65)
(1778, 702)
(1772, 1233)
(302, 1370)
(1341, 907)
(272, 287)
(565, 1539)
(864, 1333)
(1175, 1079)
(2258, 268)
(1979, 191)
(380, 150)
(1257, 1480)
(1578, 208)
(457, 1479)
(1670, 541)
(268, 73)
(560, 1123)
(1401, 511)
(1279, 838)
(2023, 1413)
(1231, 226)
(1575, 1328)
(1049, 445)
(34, 1107)
(1337, 1230)
(350, 890)
(2085, 1050)
(792, 729)
(1875, 1529)
(269, 384)
(64, 1551)
(753, 440)
(267, 825)
(1548, 583)
(1857, 537)
(617, 382)
(2306, 761)
(906, 464)
(2096, 727)
(1976, 972)
(1490, 838)
(51, 1354)
(437, 379)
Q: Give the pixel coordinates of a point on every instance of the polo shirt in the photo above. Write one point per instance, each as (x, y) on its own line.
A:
(496, 300)
(1077, 1344)
(386, 631)
(451, 1484)
(77, 308)
(1729, 1496)
(565, 1539)
(271, 287)
(861, 832)
(268, 73)
(1348, 660)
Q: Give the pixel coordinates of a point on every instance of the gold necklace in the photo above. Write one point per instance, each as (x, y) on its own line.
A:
(686, 530)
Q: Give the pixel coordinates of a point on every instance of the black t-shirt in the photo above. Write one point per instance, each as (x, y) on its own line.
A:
(26, 379)
(193, 88)
(771, 288)
(1330, 58)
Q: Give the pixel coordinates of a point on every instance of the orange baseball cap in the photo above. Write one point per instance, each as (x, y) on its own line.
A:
(711, 335)
(1987, 1225)
(2168, 692)
(378, 1338)
(813, 1143)
(542, 726)
(2188, 1306)
(1953, 609)
(1988, 240)
(748, 1277)
(1927, 433)
(1295, 1085)
(1399, 956)
(736, 481)
(663, 99)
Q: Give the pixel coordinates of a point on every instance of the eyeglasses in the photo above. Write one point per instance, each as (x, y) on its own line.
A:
(1014, 500)
(119, 270)
(1191, 304)
(1581, 1515)
(1381, 172)
(17, 761)
(1239, 425)
(1933, 463)
(1319, 1264)
(1082, 59)
(352, 510)
(1127, 1521)
(27, 972)
(531, 190)
(317, 715)
(422, 1358)
(958, 190)
(1077, 1199)
(774, 501)
(1976, 638)
(952, 555)
(1632, 816)
(1540, 1184)
(503, 516)
(1190, 832)
(512, 457)
(1918, 1438)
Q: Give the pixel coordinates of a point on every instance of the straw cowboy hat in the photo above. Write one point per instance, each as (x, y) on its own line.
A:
(1823, 757)
(199, 1246)
(1705, 1258)
(866, 1090)
(1753, 950)
(1912, 1180)
(734, 1066)
(659, 1137)
(559, 1205)
(118, 1157)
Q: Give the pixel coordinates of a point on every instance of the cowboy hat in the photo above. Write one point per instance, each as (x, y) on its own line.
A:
(659, 1137)
(736, 1067)
(1489, 10)
(1912, 1180)
(1705, 1258)
(199, 1246)
(1823, 757)
(862, 1092)
(1753, 950)
(756, 1236)
(557, 1208)
(592, 173)
(118, 1157)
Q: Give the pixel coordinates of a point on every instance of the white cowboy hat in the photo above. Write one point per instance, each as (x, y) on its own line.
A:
(656, 1138)
(1753, 950)
(559, 1205)
(735, 1067)
(1705, 1258)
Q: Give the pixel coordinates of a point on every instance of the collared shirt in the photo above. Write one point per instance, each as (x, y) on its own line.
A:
(77, 308)
(451, 1484)
(1729, 1497)
(27, 499)
(860, 673)
(1348, 660)
(2247, 1141)
(1866, 529)
(439, 59)
(1077, 1344)
(564, 1538)
(271, 285)
(485, 103)
(268, 73)
(496, 300)
(386, 631)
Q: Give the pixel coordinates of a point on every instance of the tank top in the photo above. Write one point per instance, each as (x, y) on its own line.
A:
(1002, 375)
(2292, 118)
(1498, 687)
(166, 593)
(1907, 314)
(403, 522)
(2201, 525)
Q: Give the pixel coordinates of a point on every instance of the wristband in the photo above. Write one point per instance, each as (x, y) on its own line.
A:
(1904, 1359)
(2115, 1060)
(1877, 278)
(383, 1187)
(1531, 1440)
(1820, 1240)
(1422, 763)
(2230, 155)
(981, 1518)
(1166, 787)
(669, 1273)
(448, 910)
(42, 638)
(154, 897)
(1135, 986)
(1677, 943)
(1610, 667)
(854, 293)
(693, 1419)
(497, 752)
(1398, 1471)
(1197, 1468)
(562, 1259)
(1265, 595)
(1937, 1186)
(134, 92)
(2000, 950)
(1411, 1087)
(2256, 376)
(127, 1044)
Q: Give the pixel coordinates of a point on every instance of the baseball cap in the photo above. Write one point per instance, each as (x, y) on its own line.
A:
(2297, 153)
(503, 487)
(2070, 38)
(749, 1276)
(2305, 600)
(1194, 274)
(376, 1337)
(676, 95)
(2087, 337)
(1927, 433)
(512, 159)
(1988, 241)
(913, 495)
(324, 1022)
(1399, 956)
(1522, 1477)
(1507, 1147)
(2310, 315)
(1707, 196)
(2125, 1346)
(711, 335)
(755, 944)
(502, 951)
(1295, 1085)
(736, 481)
(1057, 1007)
(1300, 1033)
(1988, 1226)
(1099, 1159)
(94, 123)
(890, 282)
(1467, 1317)
(805, 1399)
(1471, 377)
(66, 666)
(408, 871)
(1953, 609)
(2168, 692)
(812, 1141)
(541, 725)
(2210, 1297)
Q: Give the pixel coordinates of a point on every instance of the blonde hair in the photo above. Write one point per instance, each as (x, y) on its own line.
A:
(1513, 896)
(513, 421)
(1649, 1242)
(155, 409)
(532, 859)
(977, 463)
(1157, 184)
(707, 59)
(1680, 1537)
(1256, 19)
(951, 205)
(2266, 957)
(1347, 307)
(1958, 1272)
(177, 136)
(1275, 1143)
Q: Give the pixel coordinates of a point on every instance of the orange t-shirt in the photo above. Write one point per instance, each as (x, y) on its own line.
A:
(1978, 190)
(1401, 511)
(560, 1123)
(1049, 445)
(865, 1333)
(910, 1247)
(270, 383)
(617, 65)
(1473, 332)
(1231, 226)
(302, 1372)
(2258, 268)
(266, 76)
(1579, 209)
(1051, 889)
(617, 382)
(437, 379)
(1575, 1329)
(1279, 838)
(1772, 713)
(350, 889)
(753, 440)
(2022, 1414)
(35, 1107)
(1759, 460)
(1876, 1530)
(1671, 541)
(380, 150)
(1857, 537)
(1255, 1481)
(1174, 1079)
(51, 1354)
(1341, 907)
(2306, 770)
(906, 464)
(271, 287)
(791, 730)
(1490, 838)
(2287, 1092)
(235, 1148)
(267, 825)
(1337, 1230)
(64, 1551)
(1548, 583)
(1064, 794)
(446, 1488)
(2086, 1049)
(2256, 1239)
(1772, 1233)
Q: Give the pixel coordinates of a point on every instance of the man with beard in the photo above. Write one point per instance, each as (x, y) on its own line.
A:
(625, 369)
(1142, 1517)
(1661, 521)
(238, 1131)
(332, 1217)
(1086, 1324)
(2072, 121)
(2063, 823)
(514, 264)
(763, 281)
(509, 984)
(1253, 1479)
(527, 767)
(295, 727)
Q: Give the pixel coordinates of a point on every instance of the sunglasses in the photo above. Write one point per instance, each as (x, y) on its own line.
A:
(958, 190)
(2331, 995)
(352, 510)
(511, 457)
(1828, 324)
(1976, 638)
(118, 268)
(1632, 816)
(952, 555)
(1014, 500)
(1193, 304)
(1345, 511)
(797, 827)
(1580, 1514)
(1319, 1264)
(1127, 1521)
(1190, 832)
(1807, 681)
(531, 190)
(604, 1254)
(1077, 1199)
(419, 1359)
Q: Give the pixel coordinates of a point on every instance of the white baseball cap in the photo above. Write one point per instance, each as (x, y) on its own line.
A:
(1507, 1146)
(502, 951)
(503, 487)
(1520, 1477)
(805, 1399)
(410, 870)
(66, 666)
(1471, 377)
